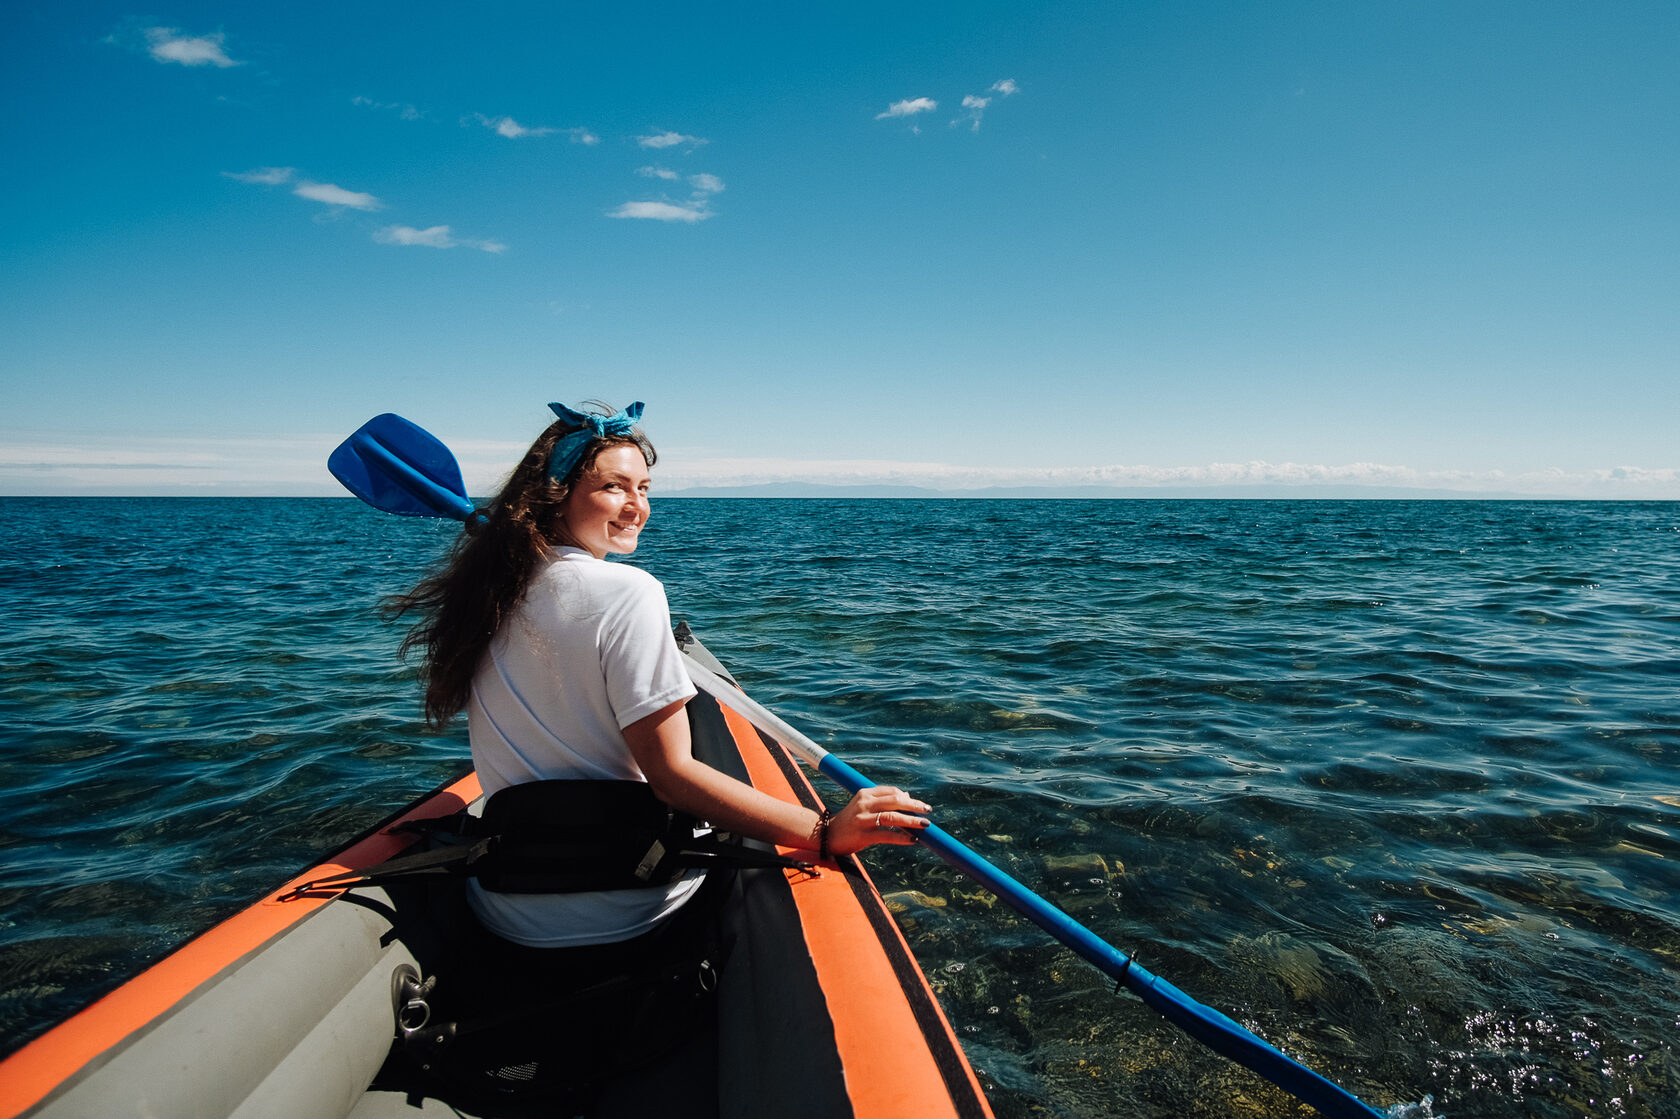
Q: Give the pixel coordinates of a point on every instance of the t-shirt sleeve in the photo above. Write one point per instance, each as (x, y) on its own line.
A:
(639, 657)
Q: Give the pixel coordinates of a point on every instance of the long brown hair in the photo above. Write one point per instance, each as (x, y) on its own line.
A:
(462, 604)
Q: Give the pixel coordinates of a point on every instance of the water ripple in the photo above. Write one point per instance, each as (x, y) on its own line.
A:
(1392, 783)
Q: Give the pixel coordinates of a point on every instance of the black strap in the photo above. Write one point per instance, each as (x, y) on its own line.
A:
(550, 837)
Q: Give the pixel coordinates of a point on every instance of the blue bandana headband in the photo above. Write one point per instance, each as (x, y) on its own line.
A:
(590, 427)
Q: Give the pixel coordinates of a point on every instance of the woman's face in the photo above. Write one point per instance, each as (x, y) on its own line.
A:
(608, 504)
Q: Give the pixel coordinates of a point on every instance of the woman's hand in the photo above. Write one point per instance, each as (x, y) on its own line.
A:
(882, 814)
(661, 743)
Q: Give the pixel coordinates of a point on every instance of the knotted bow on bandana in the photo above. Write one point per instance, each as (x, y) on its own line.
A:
(590, 426)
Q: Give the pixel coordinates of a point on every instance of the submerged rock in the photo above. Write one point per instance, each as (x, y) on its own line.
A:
(1085, 866)
(903, 901)
(1294, 964)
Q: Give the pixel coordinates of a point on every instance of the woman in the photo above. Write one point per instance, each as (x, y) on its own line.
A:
(567, 669)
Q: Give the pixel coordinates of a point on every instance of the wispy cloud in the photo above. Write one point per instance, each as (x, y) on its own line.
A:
(661, 140)
(908, 108)
(334, 195)
(433, 237)
(402, 109)
(263, 176)
(167, 44)
(38, 463)
(1629, 482)
(33, 462)
(507, 126)
(697, 207)
(974, 106)
(688, 212)
(316, 192)
(436, 236)
(513, 130)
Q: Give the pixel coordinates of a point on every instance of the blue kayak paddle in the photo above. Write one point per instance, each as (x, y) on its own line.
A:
(398, 467)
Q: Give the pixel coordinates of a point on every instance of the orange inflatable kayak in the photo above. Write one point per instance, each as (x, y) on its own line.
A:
(292, 1007)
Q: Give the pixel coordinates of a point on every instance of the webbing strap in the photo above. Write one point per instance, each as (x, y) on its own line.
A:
(508, 865)
(455, 860)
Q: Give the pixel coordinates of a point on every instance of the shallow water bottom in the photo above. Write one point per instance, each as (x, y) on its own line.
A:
(1391, 783)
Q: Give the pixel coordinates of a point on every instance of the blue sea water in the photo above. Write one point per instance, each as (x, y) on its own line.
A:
(1392, 783)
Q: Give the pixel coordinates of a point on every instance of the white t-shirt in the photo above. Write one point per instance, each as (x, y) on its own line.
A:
(587, 652)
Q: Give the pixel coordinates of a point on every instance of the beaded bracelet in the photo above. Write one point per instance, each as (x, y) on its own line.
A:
(822, 833)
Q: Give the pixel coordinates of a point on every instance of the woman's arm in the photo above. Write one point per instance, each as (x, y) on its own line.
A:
(663, 748)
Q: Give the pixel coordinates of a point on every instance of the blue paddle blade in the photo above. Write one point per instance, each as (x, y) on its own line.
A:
(399, 467)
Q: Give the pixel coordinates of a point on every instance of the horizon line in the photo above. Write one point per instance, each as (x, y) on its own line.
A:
(820, 492)
(39, 464)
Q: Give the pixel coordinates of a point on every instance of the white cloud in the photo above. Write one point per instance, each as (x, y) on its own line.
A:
(167, 44)
(678, 472)
(434, 237)
(77, 463)
(976, 106)
(513, 130)
(697, 208)
(908, 108)
(336, 196)
(662, 211)
(405, 111)
(661, 140)
(510, 128)
(437, 236)
(36, 462)
(315, 192)
(265, 176)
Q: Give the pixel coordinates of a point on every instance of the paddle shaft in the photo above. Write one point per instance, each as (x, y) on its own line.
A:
(1209, 1026)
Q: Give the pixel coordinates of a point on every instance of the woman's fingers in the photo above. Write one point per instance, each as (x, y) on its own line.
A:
(900, 820)
(882, 814)
(885, 798)
(894, 837)
(899, 828)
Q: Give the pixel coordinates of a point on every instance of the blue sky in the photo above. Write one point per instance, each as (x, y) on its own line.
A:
(1411, 244)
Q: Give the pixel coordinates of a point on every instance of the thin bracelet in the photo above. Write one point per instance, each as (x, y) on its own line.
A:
(822, 833)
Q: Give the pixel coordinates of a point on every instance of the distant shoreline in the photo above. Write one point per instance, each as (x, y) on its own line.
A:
(807, 492)
(1105, 493)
